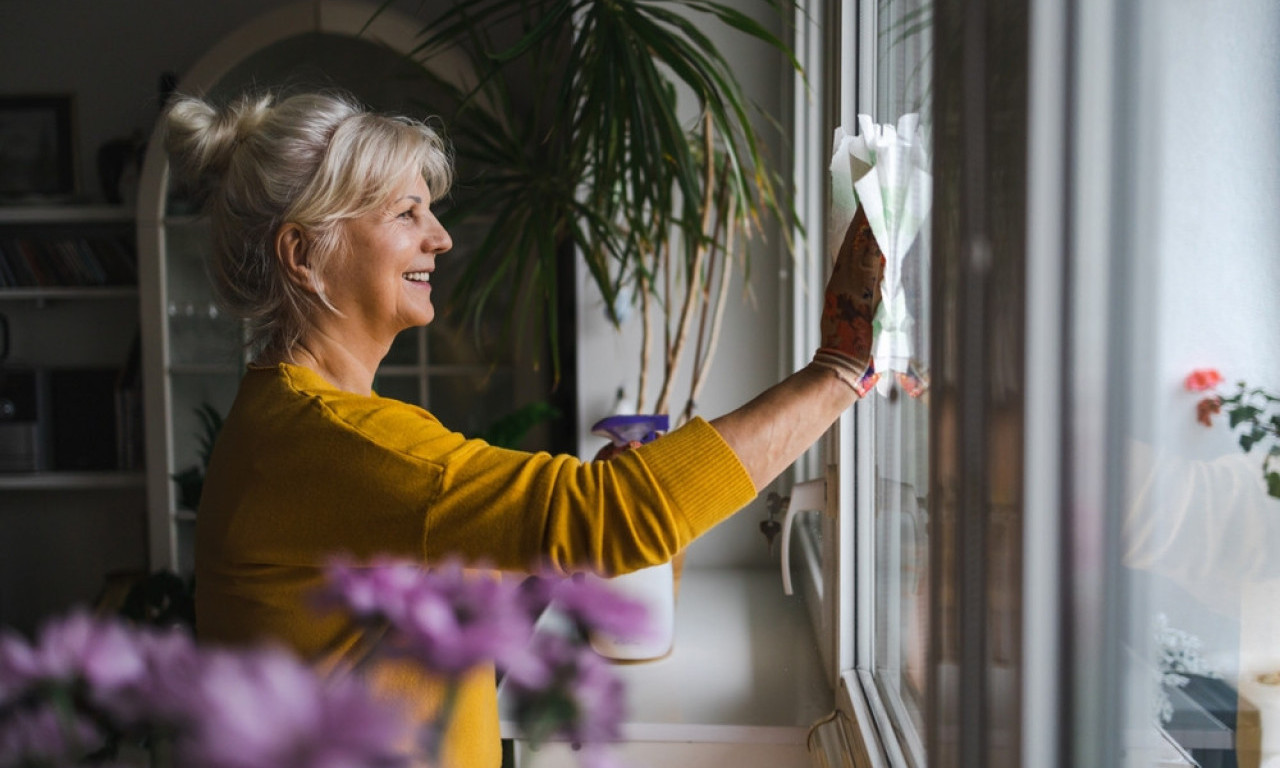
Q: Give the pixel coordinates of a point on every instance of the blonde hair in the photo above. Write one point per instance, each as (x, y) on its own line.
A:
(313, 160)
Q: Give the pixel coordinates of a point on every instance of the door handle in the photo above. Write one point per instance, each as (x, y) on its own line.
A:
(805, 497)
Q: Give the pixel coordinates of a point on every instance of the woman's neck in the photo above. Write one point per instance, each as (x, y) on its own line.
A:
(337, 364)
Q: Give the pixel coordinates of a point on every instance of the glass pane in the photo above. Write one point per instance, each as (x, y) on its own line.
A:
(199, 332)
(470, 404)
(404, 350)
(404, 388)
(191, 393)
(899, 409)
(1199, 277)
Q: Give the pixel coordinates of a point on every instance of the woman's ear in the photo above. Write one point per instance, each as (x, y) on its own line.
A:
(294, 254)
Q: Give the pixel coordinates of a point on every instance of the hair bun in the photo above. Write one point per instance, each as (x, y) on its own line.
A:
(201, 139)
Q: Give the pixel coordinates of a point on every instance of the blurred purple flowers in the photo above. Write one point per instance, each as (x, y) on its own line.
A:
(450, 620)
(85, 687)
(87, 684)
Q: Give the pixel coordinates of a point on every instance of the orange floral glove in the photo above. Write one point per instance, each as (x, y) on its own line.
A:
(849, 306)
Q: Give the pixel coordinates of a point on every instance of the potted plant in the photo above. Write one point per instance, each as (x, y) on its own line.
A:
(571, 138)
(191, 480)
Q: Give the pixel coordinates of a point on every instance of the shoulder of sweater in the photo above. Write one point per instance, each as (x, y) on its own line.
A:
(383, 420)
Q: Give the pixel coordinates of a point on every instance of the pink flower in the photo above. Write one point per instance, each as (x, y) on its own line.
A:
(1202, 379)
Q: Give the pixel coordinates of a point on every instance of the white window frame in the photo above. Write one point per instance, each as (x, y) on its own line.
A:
(843, 586)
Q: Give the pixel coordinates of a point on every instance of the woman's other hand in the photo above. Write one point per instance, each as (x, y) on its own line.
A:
(612, 449)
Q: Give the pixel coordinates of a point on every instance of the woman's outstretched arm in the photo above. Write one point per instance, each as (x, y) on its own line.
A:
(772, 430)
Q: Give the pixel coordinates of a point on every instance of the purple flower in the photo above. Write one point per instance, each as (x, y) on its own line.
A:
(266, 709)
(596, 606)
(447, 619)
(599, 696)
(580, 699)
(41, 735)
(165, 698)
(104, 654)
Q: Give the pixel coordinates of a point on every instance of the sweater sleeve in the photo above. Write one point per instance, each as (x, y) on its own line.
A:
(520, 510)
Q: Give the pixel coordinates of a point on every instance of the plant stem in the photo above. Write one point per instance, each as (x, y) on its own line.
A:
(701, 372)
(693, 288)
(646, 341)
(439, 724)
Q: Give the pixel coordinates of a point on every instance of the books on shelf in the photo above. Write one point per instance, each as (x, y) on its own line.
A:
(64, 261)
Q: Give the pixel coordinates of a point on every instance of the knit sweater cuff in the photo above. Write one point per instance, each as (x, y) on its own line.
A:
(700, 473)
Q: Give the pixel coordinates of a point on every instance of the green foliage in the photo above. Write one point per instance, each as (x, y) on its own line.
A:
(191, 480)
(210, 425)
(573, 140)
(1255, 414)
(510, 430)
(161, 599)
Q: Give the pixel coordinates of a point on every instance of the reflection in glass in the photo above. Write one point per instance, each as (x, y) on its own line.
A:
(899, 411)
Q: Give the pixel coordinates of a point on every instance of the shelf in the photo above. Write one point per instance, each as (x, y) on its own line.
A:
(744, 667)
(67, 481)
(64, 214)
(40, 295)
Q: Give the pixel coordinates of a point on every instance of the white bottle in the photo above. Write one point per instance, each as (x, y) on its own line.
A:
(652, 587)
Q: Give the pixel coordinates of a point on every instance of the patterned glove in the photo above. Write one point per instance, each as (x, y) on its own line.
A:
(850, 303)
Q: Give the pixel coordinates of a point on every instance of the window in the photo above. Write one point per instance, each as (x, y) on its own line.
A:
(870, 73)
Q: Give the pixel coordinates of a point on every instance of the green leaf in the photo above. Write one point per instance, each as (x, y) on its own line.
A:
(509, 430)
(1273, 484)
(577, 138)
(1242, 414)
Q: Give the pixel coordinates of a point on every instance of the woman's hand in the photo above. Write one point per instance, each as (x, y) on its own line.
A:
(849, 307)
(612, 449)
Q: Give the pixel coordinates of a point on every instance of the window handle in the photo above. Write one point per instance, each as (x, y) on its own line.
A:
(805, 497)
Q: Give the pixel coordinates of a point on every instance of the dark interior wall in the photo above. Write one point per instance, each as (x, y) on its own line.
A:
(58, 546)
(110, 56)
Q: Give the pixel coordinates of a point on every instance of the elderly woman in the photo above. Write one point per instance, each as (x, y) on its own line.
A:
(324, 241)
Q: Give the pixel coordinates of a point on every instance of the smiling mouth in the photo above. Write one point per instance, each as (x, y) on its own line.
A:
(418, 277)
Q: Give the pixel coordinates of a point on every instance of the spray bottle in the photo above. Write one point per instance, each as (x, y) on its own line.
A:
(653, 587)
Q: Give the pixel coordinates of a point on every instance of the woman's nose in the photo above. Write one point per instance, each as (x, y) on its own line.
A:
(437, 239)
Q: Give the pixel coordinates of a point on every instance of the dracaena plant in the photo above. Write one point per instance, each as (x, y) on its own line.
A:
(569, 140)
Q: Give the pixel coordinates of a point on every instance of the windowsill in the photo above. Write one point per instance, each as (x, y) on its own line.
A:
(744, 667)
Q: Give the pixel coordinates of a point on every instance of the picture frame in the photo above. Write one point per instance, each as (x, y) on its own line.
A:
(37, 148)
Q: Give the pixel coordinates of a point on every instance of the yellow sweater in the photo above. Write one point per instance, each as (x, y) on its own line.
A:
(303, 471)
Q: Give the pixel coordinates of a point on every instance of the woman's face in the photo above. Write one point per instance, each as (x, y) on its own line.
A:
(382, 281)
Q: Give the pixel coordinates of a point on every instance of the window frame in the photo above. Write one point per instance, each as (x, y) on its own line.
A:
(839, 87)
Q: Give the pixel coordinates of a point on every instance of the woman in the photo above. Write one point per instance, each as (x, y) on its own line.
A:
(324, 241)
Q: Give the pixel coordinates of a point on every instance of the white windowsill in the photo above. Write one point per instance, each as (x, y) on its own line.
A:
(744, 667)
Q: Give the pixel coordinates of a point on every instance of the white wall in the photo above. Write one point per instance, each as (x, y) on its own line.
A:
(747, 359)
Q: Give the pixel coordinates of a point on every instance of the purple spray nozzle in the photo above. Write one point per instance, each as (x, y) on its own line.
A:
(624, 429)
